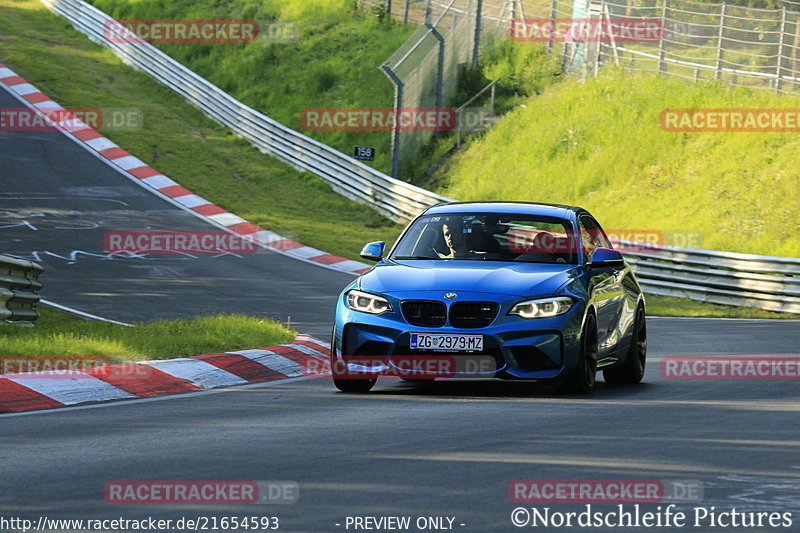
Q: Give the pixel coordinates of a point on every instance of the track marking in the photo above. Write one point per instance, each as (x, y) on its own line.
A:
(177, 396)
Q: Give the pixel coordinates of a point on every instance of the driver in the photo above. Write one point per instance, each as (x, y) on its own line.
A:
(456, 240)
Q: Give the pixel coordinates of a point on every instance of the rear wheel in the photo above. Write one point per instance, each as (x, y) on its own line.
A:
(582, 379)
(632, 370)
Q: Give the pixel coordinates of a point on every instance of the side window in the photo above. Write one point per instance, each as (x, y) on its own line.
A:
(591, 236)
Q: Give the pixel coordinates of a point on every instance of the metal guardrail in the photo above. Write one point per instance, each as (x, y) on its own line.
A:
(730, 278)
(393, 198)
(19, 281)
(767, 282)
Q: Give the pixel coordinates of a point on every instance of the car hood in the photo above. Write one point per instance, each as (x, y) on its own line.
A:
(516, 279)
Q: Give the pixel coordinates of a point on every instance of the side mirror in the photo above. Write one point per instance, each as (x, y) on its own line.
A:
(606, 257)
(373, 251)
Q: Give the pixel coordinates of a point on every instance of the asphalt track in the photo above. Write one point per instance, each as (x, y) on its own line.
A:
(445, 449)
(57, 201)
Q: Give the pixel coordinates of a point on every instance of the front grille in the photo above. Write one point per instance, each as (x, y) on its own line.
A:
(472, 314)
(425, 313)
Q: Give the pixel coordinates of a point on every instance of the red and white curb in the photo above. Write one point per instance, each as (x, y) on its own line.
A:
(137, 170)
(304, 357)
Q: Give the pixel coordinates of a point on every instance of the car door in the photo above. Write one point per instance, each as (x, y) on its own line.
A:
(605, 286)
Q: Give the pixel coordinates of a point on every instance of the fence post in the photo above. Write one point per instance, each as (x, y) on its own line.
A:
(398, 104)
(779, 70)
(477, 42)
(405, 16)
(428, 11)
(578, 49)
(795, 46)
(661, 45)
(718, 73)
(440, 72)
(552, 18)
(599, 43)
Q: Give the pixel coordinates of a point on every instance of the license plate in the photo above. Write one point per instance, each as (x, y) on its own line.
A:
(446, 342)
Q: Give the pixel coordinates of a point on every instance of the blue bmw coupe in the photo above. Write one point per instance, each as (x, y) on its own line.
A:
(523, 290)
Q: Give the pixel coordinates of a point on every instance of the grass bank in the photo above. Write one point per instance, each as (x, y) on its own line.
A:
(309, 54)
(61, 334)
(599, 144)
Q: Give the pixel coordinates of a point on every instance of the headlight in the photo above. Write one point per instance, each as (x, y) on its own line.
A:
(542, 308)
(367, 303)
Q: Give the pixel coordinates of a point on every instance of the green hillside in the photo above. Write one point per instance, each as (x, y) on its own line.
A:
(309, 54)
(599, 145)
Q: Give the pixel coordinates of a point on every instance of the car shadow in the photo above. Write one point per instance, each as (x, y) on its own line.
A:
(503, 389)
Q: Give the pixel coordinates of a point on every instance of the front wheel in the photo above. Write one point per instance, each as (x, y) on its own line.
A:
(632, 370)
(354, 385)
(582, 379)
(344, 381)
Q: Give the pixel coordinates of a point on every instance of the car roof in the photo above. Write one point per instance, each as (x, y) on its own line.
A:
(522, 208)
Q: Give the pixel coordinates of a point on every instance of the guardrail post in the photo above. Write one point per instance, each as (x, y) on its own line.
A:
(398, 105)
(718, 73)
(19, 281)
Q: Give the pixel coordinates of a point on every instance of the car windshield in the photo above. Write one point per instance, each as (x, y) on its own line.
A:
(488, 237)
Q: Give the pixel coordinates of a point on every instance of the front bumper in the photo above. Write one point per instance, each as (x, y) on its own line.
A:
(537, 349)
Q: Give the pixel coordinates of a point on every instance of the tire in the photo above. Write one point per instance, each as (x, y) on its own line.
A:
(632, 370)
(341, 379)
(354, 385)
(582, 379)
